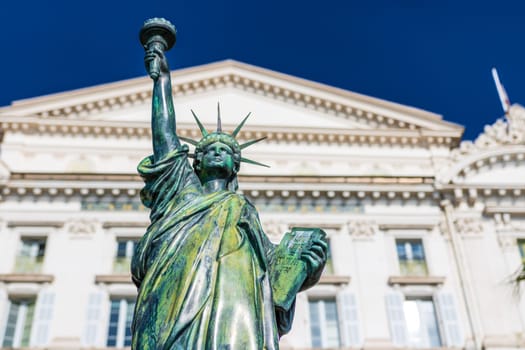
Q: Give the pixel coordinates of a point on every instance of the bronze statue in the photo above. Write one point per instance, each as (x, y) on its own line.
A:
(207, 275)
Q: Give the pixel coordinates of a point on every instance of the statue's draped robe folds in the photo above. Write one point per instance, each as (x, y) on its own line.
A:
(202, 267)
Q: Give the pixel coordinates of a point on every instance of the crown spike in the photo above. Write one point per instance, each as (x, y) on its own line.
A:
(188, 140)
(219, 122)
(249, 161)
(239, 127)
(204, 132)
(249, 143)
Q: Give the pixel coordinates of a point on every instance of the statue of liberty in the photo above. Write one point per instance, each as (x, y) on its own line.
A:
(208, 278)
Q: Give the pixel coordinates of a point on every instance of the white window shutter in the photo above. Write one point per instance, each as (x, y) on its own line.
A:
(42, 319)
(453, 334)
(396, 317)
(350, 326)
(4, 309)
(95, 315)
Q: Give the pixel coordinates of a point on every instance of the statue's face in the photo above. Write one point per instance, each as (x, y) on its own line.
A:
(217, 161)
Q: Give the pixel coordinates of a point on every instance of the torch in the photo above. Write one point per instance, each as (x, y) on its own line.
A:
(157, 33)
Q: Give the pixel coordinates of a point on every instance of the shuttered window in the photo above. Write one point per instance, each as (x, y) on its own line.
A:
(396, 317)
(324, 323)
(43, 318)
(17, 331)
(414, 321)
(350, 326)
(452, 330)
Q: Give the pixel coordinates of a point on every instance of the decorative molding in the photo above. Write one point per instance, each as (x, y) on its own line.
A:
(510, 132)
(362, 228)
(504, 224)
(507, 241)
(480, 192)
(514, 210)
(468, 226)
(416, 280)
(82, 227)
(490, 147)
(122, 186)
(337, 136)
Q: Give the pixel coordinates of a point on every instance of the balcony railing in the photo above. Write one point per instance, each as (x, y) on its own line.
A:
(29, 264)
(122, 265)
(413, 267)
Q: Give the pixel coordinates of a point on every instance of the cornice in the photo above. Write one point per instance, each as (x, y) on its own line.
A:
(403, 137)
(475, 191)
(129, 186)
(254, 186)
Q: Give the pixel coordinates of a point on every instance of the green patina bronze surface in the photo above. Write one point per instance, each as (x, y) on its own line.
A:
(207, 275)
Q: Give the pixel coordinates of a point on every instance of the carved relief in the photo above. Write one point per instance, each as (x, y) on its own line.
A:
(507, 241)
(468, 226)
(362, 228)
(510, 132)
(81, 227)
(503, 132)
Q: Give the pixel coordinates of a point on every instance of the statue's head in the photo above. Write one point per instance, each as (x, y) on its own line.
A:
(218, 154)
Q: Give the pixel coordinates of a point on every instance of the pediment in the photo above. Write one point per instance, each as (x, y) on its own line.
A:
(496, 156)
(504, 166)
(276, 100)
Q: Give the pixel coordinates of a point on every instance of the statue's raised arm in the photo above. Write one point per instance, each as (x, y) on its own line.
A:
(208, 277)
(157, 36)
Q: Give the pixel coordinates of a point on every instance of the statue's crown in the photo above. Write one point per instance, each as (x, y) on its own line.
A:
(223, 137)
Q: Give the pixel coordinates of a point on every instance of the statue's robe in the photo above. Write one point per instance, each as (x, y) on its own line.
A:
(202, 268)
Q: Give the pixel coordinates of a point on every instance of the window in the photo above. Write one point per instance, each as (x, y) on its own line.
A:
(411, 257)
(120, 317)
(324, 324)
(414, 321)
(125, 249)
(30, 257)
(17, 331)
(421, 323)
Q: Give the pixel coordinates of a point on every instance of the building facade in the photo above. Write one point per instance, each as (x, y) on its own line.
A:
(425, 231)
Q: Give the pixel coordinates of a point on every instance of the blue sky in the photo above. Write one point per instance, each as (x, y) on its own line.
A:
(434, 55)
